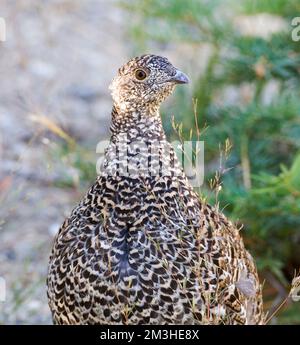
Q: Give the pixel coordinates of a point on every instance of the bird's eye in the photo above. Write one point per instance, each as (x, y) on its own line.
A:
(140, 74)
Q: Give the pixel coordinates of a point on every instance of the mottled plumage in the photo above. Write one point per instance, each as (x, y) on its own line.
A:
(141, 248)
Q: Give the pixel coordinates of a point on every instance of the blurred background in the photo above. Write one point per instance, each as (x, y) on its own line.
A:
(56, 65)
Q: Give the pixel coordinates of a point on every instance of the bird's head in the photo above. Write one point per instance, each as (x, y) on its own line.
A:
(145, 81)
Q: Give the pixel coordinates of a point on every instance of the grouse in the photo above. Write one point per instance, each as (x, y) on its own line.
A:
(141, 247)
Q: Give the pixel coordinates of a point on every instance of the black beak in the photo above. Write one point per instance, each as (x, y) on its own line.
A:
(180, 78)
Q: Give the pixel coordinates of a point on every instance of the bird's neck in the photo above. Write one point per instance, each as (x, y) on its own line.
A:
(137, 123)
(138, 146)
